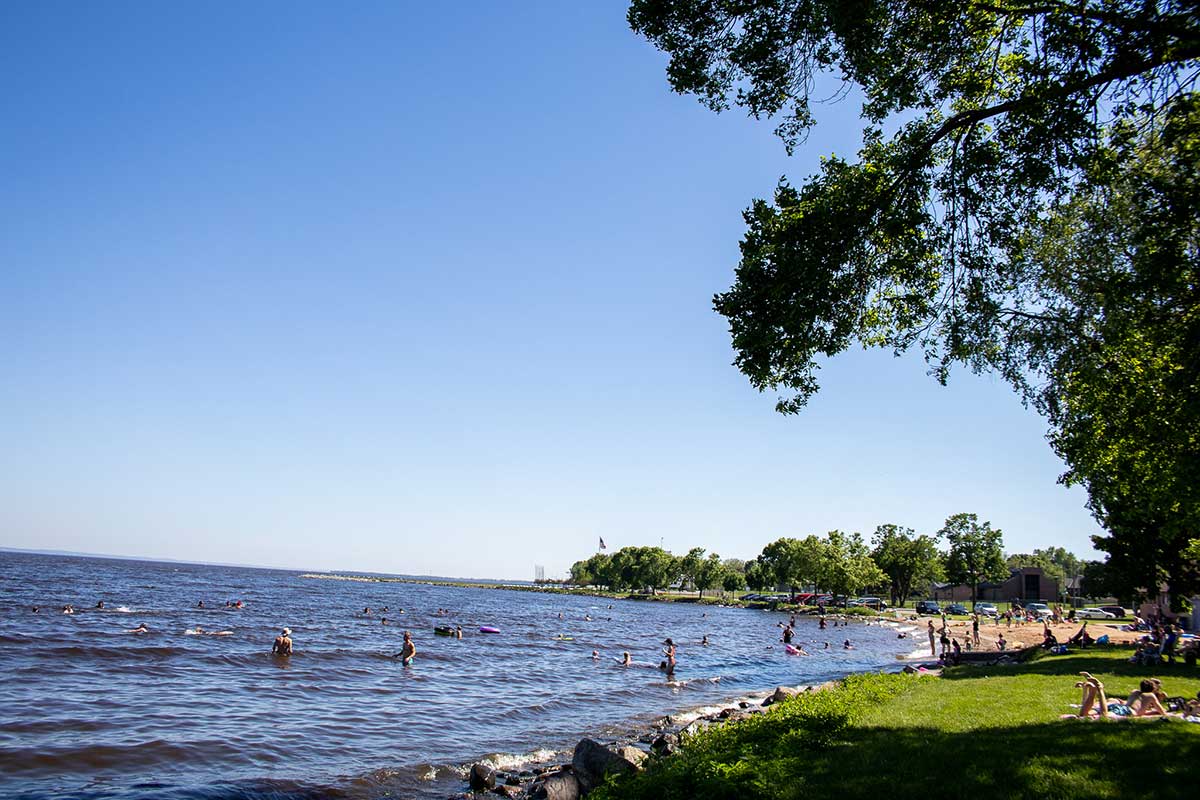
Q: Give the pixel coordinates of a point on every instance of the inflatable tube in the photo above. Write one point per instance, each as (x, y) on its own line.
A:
(489, 629)
(792, 650)
(444, 630)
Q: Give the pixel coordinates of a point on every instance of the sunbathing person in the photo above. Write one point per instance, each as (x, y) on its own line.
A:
(1147, 700)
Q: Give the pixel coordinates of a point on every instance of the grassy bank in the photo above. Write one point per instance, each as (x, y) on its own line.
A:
(978, 732)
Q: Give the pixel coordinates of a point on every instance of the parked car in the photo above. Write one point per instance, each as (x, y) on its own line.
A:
(752, 597)
(956, 608)
(1118, 612)
(1039, 609)
(928, 607)
(987, 609)
(872, 602)
(1093, 613)
(822, 600)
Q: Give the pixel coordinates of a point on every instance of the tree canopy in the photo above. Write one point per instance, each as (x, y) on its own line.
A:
(976, 552)
(1024, 202)
(906, 559)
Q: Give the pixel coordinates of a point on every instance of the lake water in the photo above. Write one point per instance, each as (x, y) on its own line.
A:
(88, 710)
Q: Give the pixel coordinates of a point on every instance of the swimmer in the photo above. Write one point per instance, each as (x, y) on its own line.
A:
(847, 646)
(100, 604)
(669, 652)
(625, 660)
(407, 651)
(826, 645)
(200, 604)
(704, 641)
(458, 631)
(142, 628)
(595, 655)
(68, 609)
(383, 621)
(36, 610)
(366, 610)
(283, 643)
(586, 618)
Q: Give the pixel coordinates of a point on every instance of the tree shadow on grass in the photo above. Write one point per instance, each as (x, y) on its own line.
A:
(1098, 661)
(1059, 760)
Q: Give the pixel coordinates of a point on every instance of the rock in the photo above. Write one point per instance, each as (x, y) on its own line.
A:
(695, 726)
(511, 792)
(593, 761)
(743, 704)
(482, 777)
(665, 744)
(512, 780)
(783, 693)
(558, 786)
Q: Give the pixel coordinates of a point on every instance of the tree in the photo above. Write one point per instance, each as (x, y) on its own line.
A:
(976, 552)
(733, 581)
(793, 562)
(906, 559)
(709, 574)
(691, 564)
(1034, 213)
(846, 566)
(758, 575)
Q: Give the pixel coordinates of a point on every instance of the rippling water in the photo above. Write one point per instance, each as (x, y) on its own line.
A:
(88, 710)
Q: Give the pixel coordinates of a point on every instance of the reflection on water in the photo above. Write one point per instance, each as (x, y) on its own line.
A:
(90, 709)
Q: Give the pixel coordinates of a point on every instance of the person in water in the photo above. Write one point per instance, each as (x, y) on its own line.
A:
(458, 631)
(200, 604)
(139, 629)
(100, 605)
(408, 650)
(847, 646)
(669, 652)
(283, 643)
(704, 641)
(595, 655)
(625, 660)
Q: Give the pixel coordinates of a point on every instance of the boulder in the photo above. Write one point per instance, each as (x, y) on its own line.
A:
(782, 693)
(511, 792)
(593, 761)
(665, 744)
(558, 786)
(695, 726)
(482, 777)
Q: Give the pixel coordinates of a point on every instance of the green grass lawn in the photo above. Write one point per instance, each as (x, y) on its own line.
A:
(990, 732)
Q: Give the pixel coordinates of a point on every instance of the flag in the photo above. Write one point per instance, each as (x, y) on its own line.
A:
(602, 547)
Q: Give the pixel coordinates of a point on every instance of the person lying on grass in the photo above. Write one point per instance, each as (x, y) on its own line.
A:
(1144, 702)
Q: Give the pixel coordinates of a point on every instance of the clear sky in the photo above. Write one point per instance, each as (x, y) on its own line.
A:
(425, 288)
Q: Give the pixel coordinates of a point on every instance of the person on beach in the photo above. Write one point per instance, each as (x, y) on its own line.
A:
(932, 640)
(975, 628)
(283, 643)
(407, 650)
(1000, 643)
(945, 639)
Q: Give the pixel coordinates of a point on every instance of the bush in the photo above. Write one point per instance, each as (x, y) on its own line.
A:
(764, 755)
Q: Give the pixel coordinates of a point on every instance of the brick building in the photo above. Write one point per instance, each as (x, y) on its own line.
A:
(1025, 585)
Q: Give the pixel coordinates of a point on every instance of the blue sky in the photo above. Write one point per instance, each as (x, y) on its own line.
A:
(425, 289)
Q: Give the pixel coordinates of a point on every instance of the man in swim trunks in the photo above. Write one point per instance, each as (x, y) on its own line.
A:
(283, 643)
(408, 650)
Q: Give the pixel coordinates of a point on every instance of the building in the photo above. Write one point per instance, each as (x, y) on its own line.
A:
(1024, 585)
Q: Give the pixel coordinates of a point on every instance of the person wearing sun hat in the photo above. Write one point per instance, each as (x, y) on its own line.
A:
(283, 643)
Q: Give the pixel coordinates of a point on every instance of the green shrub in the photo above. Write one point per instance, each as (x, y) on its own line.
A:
(764, 755)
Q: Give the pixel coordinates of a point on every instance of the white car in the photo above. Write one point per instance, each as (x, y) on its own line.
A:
(1039, 609)
(1093, 613)
(987, 610)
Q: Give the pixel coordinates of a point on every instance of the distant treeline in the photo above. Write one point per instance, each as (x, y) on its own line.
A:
(897, 561)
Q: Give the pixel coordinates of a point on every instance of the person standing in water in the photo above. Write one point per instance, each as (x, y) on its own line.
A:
(283, 643)
(669, 652)
(407, 650)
